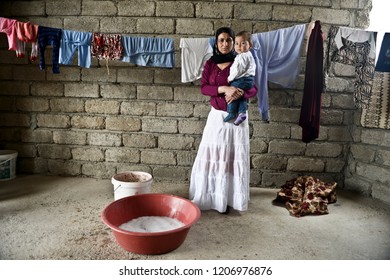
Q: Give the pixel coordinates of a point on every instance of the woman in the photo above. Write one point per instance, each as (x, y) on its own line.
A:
(220, 174)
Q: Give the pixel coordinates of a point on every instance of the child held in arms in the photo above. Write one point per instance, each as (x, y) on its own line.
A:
(242, 76)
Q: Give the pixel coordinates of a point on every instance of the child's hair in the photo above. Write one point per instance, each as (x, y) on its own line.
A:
(246, 35)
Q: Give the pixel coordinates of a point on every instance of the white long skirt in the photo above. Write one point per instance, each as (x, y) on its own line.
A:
(220, 174)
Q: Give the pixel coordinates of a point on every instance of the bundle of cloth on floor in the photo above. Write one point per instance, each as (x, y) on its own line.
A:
(306, 195)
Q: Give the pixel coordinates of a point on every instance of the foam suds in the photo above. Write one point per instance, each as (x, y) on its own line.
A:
(151, 224)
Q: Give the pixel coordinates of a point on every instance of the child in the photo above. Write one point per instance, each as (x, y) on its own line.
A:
(242, 76)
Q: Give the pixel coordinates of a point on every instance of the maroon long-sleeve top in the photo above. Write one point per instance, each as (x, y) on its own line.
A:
(212, 78)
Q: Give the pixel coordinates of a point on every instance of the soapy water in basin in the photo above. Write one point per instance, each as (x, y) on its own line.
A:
(151, 224)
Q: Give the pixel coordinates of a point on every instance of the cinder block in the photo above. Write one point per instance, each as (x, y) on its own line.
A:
(176, 9)
(98, 8)
(53, 121)
(101, 106)
(47, 89)
(88, 122)
(52, 151)
(104, 139)
(175, 142)
(32, 104)
(332, 16)
(304, 164)
(70, 137)
(70, 7)
(70, 105)
(138, 8)
(37, 136)
(98, 169)
(122, 155)
(138, 108)
(122, 123)
(64, 168)
(161, 125)
(258, 12)
(194, 27)
(155, 25)
(87, 154)
(175, 110)
(158, 157)
(140, 140)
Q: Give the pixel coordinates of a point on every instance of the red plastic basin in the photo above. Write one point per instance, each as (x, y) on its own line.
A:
(150, 204)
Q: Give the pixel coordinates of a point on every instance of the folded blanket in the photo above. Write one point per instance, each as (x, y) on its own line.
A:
(306, 195)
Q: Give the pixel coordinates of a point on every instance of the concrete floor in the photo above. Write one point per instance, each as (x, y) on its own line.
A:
(44, 217)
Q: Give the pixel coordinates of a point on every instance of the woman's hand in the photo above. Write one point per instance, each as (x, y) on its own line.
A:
(232, 94)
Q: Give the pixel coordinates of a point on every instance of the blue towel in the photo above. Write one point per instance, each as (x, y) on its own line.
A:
(156, 52)
(72, 41)
(277, 57)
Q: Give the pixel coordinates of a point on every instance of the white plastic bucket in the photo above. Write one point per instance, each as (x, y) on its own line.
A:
(131, 183)
(7, 164)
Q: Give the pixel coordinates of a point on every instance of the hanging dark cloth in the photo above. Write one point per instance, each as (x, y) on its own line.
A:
(314, 83)
(383, 64)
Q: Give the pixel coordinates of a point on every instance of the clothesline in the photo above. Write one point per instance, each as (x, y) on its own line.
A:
(277, 53)
(142, 51)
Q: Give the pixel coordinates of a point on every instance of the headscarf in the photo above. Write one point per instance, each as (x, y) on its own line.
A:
(217, 56)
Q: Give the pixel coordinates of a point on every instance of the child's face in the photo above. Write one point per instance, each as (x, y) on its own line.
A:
(241, 44)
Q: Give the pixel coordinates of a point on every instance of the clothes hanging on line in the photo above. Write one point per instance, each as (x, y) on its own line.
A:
(27, 32)
(49, 36)
(383, 63)
(194, 54)
(356, 36)
(106, 46)
(309, 118)
(377, 112)
(7, 26)
(277, 57)
(358, 54)
(155, 52)
(143, 51)
(73, 41)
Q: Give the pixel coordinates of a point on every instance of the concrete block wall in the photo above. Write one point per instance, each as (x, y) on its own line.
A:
(91, 122)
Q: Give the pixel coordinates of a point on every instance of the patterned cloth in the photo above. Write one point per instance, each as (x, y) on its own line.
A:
(358, 55)
(306, 195)
(107, 46)
(377, 112)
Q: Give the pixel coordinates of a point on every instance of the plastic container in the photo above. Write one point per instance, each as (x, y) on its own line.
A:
(131, 183)
(7, 164)
(152, 204)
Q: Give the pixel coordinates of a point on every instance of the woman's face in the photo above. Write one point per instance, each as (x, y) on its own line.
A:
(224, 43)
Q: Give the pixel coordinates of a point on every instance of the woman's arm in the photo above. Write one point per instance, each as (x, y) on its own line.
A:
(250, 92)
(205, 87)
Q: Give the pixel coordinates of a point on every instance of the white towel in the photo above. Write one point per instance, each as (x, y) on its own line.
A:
(194, 54)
